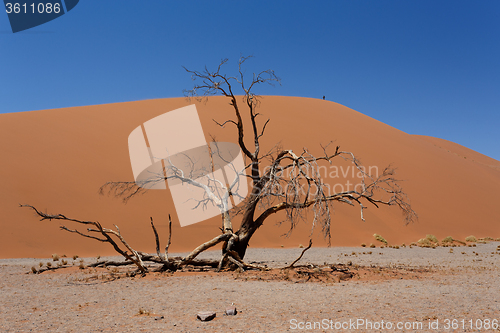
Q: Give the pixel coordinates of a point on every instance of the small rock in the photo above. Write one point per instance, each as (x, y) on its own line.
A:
(206, 315)
(231, 311)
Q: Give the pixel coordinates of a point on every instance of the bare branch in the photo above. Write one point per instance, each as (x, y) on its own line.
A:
(99, 228)
(224, 123)
(82, 234)
(205, 246)
(157, 240)
(169, 236)
(303, 251)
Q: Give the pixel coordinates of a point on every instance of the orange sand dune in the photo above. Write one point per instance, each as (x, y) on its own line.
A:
(57, 159)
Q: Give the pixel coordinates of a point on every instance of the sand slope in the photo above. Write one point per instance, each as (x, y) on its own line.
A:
(57, 160)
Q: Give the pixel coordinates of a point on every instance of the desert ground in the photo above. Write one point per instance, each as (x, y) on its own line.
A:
(443, 289)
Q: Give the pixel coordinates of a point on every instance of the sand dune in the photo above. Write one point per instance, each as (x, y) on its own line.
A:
(57, 159)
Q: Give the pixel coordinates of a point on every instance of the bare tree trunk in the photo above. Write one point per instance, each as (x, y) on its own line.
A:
(246, 231)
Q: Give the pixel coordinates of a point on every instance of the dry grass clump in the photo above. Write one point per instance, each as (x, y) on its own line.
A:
(372, 245)
(33, 270)
(48, 264)
(380, 238)
(448, 239)
(55, 257)
(143, 311)
(363, 245)
(428, 241)
(484, 240)
(75, 257)
(432, 239)
(424, 242)
(471, 239)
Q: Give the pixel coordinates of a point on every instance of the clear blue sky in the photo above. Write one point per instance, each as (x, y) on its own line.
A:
(424, 67)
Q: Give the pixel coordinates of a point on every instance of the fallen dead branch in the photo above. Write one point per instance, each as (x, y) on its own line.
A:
(138, 258)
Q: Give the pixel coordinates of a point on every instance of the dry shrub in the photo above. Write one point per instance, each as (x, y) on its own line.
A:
(471, 239)
(55, 257)
(432, 239)
(424, 242)
(380, 238)
(448, 239)
(372, 245)
(363, 245)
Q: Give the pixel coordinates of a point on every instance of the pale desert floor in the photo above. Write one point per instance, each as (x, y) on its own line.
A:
(437, 287)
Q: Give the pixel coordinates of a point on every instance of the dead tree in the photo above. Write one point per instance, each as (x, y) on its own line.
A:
(281, 180)
(291, 182)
